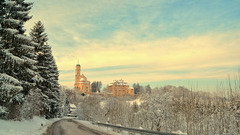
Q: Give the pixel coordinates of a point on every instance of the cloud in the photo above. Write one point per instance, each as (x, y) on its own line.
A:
(141, 41)
(164, 59)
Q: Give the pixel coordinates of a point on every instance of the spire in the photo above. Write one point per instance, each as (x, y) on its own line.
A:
(78, 63)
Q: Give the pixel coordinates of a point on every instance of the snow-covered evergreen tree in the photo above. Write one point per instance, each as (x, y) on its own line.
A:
(48, 70)
(1, 12)
(33, 104)
(17, 57)
(64, 99)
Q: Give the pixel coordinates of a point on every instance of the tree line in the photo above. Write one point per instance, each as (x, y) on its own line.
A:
(167, 109)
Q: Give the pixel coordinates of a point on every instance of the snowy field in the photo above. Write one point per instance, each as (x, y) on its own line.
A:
(25, 127)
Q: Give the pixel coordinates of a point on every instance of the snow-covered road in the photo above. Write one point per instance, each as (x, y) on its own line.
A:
(71, 127)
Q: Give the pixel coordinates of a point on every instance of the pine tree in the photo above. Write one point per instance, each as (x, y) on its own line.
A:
(2, 10)
(17, 57)
(48, 70)
(136, 88)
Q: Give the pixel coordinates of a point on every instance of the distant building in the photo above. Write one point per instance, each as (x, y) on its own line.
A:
(120, 88)
(81, 83)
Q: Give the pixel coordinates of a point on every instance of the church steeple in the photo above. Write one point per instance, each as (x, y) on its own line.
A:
(78, 63)
(78, 73)
(81, 83)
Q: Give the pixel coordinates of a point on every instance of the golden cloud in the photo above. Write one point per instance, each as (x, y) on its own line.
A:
(191, 53)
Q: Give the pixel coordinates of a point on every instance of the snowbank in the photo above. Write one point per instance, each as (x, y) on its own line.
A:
(179, 133)
(25, 127)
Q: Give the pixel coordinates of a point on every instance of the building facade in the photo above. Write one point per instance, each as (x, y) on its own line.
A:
(81, 83)
(120, 88)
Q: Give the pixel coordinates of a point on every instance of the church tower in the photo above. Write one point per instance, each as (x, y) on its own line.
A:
(78, 74)
(81, 83)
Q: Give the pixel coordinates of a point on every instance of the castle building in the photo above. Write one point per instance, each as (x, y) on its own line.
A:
(120, 88)
(81, 83)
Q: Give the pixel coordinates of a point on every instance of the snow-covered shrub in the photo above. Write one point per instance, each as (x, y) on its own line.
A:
(3, 112)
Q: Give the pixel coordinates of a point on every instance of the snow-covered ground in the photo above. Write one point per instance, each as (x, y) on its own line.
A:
(102, 104)
(33, 127)
(25, 127)
(137, 101)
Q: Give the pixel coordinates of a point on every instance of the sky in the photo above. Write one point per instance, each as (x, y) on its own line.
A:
(156, 42)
